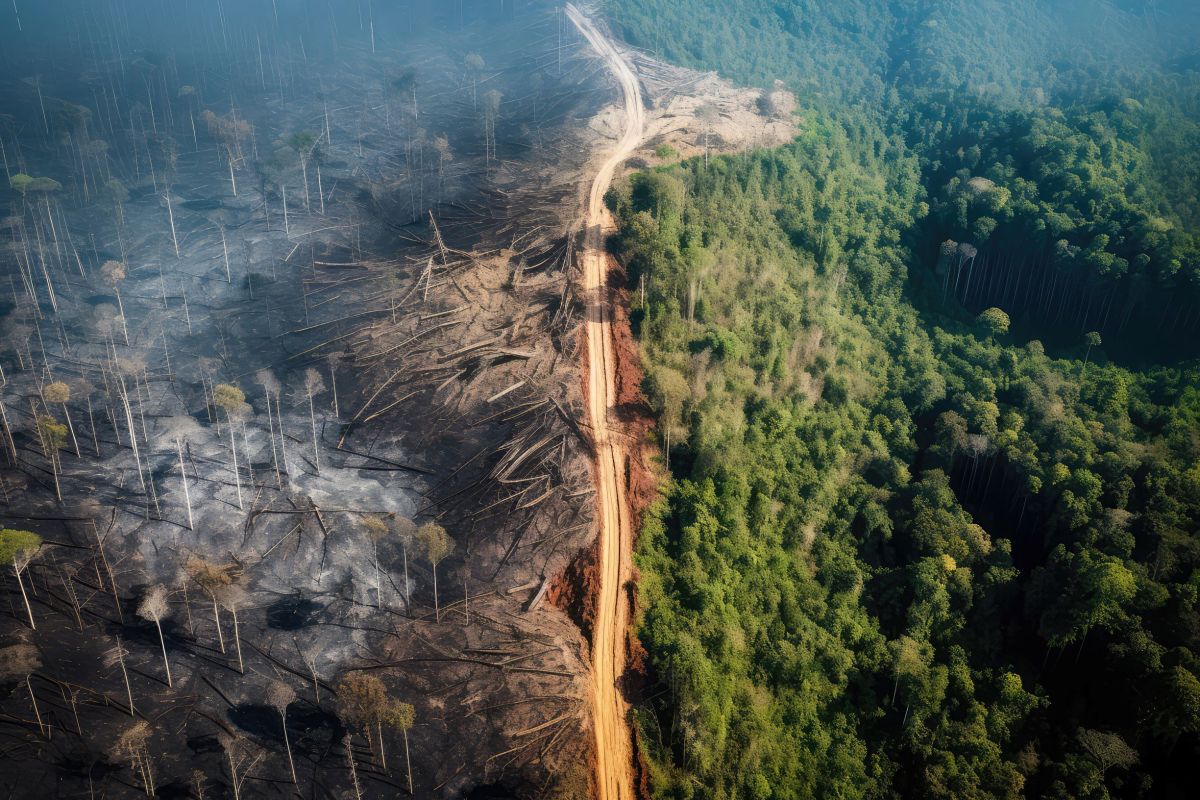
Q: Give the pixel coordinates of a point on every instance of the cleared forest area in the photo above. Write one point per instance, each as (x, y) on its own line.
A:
(290, 403)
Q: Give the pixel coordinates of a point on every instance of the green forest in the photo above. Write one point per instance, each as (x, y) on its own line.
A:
(928, 397)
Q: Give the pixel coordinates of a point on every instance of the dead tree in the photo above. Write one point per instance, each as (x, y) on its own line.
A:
(183, 428)
(401, 716)
(346, 743)
(310, 661)
(114, 273)
(438, 545)
(133, 746)
(17, 549)
(313, 385)
(491, 110)
(270, 385)
(474, 64)
(231, 132)
(213, 579)
(154, 607)
(237, 753)
(232, 401)
(53, 435)
(122, 368)
(198, 780)
(365, 704)
(115, 656)
(305, 145)
(19, 662)
(404, 530)
(376, 529)
(6, 429)
(59, 393)
(333, 359)
(279, 697)
(233, 597)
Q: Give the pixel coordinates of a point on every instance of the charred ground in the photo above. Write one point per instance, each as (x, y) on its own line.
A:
(417, 290)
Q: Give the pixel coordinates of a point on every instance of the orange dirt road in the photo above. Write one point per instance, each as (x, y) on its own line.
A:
(614, 765)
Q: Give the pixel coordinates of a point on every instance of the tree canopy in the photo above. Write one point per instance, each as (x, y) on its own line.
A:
(907, 549)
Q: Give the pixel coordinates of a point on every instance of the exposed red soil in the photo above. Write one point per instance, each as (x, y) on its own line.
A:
(576, 589)
(641, 487)
(632, 410)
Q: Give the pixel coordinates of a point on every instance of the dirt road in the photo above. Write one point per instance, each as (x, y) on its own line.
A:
(613, 746)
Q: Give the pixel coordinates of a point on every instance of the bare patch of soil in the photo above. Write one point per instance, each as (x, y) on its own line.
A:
(697, 113)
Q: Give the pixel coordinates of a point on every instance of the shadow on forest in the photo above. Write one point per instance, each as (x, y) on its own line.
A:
(1062, 339)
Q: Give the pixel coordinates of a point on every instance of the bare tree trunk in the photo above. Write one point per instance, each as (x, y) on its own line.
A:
(12, 446)
(71, 428)
(437, 611)
(271, 435)
(25, 597)
(333, 384)
(287, 745)
(54, 469)
(171, 217)
(125, 675)
(68, 584)
(147, 774)
(121, 308)
(282, 436)
(162, 641)
(307, 196)
(217, 620)
(33, 699)
(132, 431)
(408, 761)
(187, 497)
(311, 663)
(73, 700)
(187, 608)
(92, 421)
(112, 580)
(407, 593)
(237, 476)
(225, 250)
(353, 768)
(237, 643)
(378, 574)
(237, 794)
(320, 190)
(312, 415)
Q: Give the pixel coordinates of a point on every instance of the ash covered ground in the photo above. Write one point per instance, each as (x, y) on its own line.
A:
(305, 273)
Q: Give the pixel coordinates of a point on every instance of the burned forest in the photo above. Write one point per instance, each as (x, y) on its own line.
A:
(292, 439)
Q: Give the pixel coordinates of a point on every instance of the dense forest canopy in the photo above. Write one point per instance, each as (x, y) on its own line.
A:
(926, 389)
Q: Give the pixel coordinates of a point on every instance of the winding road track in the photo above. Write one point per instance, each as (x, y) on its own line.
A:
(614, 771)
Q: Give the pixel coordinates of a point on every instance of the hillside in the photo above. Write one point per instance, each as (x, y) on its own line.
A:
(927, 398)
